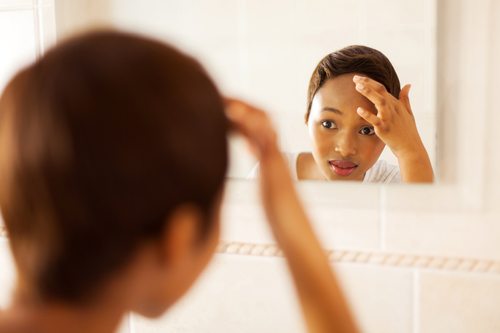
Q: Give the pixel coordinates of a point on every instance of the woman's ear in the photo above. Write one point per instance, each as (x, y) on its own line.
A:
(171, 262)
(176, 258)
(181, 234)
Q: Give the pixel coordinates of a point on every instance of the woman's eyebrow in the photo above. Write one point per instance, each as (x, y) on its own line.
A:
(330, 109)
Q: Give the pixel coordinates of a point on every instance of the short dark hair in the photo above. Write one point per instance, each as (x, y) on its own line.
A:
(353, 59)
(101, 139)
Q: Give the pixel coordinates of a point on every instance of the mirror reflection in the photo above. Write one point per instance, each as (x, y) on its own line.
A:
(356, 107)
(267, 54)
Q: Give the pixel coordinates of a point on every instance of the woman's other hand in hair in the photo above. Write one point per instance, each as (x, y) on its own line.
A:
(321, 298)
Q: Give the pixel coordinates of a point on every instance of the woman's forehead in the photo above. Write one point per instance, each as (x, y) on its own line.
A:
(340, 93)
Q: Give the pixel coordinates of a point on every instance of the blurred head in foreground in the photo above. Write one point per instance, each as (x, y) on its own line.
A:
(112, 161)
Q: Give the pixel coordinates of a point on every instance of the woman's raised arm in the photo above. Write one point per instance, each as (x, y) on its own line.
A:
(321, 298)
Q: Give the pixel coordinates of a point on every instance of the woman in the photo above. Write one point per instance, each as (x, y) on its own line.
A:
(355, 107)
(113, 153)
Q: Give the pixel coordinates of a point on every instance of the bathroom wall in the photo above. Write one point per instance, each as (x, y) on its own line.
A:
(18, 42)
(27, 30)
(411, 258)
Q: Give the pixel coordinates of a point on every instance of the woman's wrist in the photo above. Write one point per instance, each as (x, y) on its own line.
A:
(410, 151)
(415, 165)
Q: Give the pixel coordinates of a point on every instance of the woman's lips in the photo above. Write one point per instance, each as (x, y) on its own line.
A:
(342, 168)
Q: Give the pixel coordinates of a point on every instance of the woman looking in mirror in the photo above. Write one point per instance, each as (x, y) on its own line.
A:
(355, 107)
(113, 155)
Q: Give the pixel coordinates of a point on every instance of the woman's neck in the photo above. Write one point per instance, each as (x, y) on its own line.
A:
(307, 168)
(102, 316)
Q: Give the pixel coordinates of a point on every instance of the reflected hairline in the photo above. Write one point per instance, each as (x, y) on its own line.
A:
(331, 109)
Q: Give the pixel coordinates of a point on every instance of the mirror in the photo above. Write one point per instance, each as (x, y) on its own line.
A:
(266, 51)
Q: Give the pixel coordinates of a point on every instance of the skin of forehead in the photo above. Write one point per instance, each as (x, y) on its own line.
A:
(340, 93)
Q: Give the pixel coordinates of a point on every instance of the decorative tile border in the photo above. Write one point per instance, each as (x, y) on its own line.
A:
(455, 264)
(387, 259)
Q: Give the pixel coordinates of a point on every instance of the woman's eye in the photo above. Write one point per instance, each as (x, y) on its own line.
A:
(367, 130)
(328, 124)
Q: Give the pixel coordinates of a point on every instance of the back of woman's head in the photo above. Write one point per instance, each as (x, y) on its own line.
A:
(100, 140)
(357, 59)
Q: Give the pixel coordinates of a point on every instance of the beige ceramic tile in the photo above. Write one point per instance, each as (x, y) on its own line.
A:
(48, 27)
(323, 15)
(382, 298)
(459, 303)
(245, 223)
(270, 75)
(409, 13)
(241, 161)
(461, 235)
(344, 216)
(492, 185)
(410, 49)
(221, 57)
(16, 35)
(269, 19)
(310, 46)
(246, 294)
(178, 18)
(237, 294)
(346, 228)
(437, 198)
(15, 4)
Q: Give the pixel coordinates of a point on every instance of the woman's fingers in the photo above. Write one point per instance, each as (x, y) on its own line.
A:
(377, 94)
(368, 84)
(252, 123)
(369, 117)
(403, 97)
(235, 112)
(371, 91)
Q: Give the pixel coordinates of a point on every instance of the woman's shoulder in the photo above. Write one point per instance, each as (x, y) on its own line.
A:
(383, 172)
(9, 325)
(292, 159)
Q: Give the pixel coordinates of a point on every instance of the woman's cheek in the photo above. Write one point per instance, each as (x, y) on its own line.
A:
(374, 147)
(317, 137)
(325, 141)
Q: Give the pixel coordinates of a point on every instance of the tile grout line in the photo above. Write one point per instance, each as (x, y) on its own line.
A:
(431, 37)
(36, 25)
(243, 42)
(24, 7)
(362, 18)
(382, 218)
(416, 301)
(41, 25)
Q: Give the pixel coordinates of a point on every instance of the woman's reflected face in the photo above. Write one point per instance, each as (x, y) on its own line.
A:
(344, 145)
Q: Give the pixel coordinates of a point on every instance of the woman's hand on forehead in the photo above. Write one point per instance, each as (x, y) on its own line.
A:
(394, 122)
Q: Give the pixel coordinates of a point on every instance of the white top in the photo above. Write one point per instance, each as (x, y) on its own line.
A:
(380, 172)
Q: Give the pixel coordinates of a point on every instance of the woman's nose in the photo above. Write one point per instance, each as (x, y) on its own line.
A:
(345, 145)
